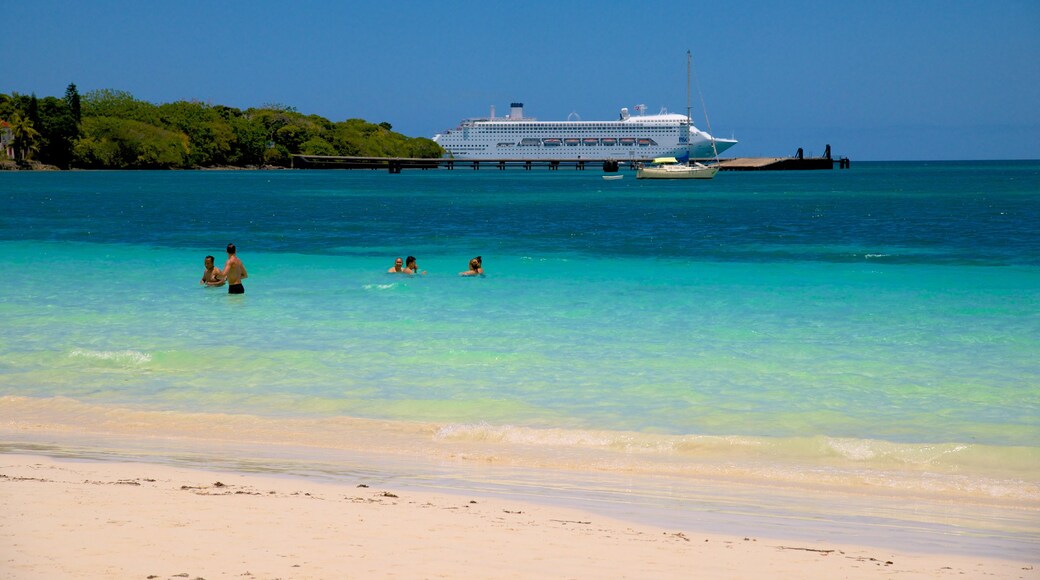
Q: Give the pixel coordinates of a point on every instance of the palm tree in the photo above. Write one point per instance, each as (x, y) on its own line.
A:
(25, 136)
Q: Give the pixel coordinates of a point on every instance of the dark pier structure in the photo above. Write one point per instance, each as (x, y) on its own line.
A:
(396, 164)
(798, 162)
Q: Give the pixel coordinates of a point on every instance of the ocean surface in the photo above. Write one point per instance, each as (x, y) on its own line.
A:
(874, 330)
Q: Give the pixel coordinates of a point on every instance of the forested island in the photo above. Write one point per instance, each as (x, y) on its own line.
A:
(110, 129)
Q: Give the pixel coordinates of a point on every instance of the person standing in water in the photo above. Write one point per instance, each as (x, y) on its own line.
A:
(211, 276)
(234, 272)
(398, 267)
(410, 267)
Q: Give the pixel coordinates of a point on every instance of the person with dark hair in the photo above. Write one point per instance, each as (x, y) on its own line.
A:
(234, 272)
(476, 267)
(211, 276)
(410, 267)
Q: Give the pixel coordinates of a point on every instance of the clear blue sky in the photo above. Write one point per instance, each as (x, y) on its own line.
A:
(878, 80)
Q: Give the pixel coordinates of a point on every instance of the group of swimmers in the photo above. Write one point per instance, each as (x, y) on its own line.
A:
(408, 266)
(235, 271)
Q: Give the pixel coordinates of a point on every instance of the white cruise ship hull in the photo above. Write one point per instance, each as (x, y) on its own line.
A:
(635, 138)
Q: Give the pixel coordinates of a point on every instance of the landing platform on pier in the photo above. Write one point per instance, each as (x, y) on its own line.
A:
(781, 163)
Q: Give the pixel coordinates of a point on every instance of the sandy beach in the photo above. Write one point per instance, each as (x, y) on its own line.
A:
(88, 519)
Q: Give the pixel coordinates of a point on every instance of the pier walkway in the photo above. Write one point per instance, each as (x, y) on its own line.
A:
(397, 164)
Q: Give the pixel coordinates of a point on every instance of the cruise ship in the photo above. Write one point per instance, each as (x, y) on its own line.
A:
(635, 137)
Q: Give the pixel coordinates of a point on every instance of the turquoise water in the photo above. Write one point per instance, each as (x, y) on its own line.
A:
(882, 317)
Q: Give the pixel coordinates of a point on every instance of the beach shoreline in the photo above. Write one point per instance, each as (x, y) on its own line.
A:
(914, 511)
(127, 519)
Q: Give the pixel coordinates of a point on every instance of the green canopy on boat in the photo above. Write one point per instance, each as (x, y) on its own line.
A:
(665, 160)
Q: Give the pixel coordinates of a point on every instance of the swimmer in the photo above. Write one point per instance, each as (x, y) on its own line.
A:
(410, 267)
(476, 268)
(211, 276)
(398, 267)
(234, 272)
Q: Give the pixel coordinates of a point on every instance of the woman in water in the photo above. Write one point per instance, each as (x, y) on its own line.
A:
(476, 268)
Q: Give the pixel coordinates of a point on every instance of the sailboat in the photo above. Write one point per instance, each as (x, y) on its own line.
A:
(670, 167)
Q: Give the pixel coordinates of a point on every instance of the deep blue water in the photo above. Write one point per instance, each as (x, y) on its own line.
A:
(979, 213)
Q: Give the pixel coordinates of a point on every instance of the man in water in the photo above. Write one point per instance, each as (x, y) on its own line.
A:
(398, 267)
(211, 276)
(234, 272)
(410, 267)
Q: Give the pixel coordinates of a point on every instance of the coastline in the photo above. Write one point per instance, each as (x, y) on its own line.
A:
(936, 531)
(126, 519)
(36, 166)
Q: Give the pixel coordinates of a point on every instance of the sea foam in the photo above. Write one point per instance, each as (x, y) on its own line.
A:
(121, 357)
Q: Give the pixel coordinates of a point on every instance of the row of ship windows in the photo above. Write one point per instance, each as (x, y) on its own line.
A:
(512, 127)
(587, 130)
(553, 142)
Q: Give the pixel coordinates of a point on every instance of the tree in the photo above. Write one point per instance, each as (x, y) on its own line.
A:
(210, 137)
(72, 100)
(26, 138)
(109, 142)
(317, 146)
(58, 132)
(250, 141)
(8, 106)
(119, 104)
(33, 110)
(110, 128)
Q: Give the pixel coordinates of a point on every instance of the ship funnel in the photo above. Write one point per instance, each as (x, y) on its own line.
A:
(624, 114)
(516, 111)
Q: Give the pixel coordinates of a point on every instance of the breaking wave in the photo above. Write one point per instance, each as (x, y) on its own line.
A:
(119, 357)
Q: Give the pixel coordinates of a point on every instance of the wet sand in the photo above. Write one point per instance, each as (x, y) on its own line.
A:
(140, 520)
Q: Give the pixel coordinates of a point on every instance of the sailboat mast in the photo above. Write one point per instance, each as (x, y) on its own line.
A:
(714, 149)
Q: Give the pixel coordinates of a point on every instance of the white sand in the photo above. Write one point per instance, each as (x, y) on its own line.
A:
(65, 519)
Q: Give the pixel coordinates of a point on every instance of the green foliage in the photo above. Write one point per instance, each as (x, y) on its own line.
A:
(111, 129)
(58, 132)
(317, 146)
(210, 137)
(74, 102)
(119, 104)
(109, 142)
(7, 107)
(26, 138)
(250, 142)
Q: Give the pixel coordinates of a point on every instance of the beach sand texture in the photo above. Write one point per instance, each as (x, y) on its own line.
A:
(78, 519)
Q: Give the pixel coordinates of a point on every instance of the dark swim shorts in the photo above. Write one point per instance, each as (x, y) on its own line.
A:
(236, 289)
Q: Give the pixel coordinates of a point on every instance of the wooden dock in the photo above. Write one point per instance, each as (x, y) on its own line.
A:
(781, 163)
(397, 164)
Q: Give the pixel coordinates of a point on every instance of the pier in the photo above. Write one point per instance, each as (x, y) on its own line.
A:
(797, 163)
(397, 164)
